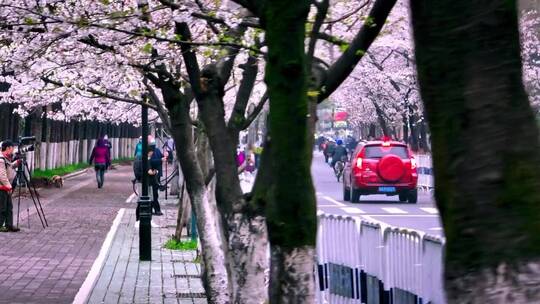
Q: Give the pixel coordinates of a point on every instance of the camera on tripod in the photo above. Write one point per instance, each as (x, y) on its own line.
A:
(25, 144)
(23, 178)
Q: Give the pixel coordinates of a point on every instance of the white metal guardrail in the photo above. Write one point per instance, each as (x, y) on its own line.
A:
(424, 168)
(362, 262)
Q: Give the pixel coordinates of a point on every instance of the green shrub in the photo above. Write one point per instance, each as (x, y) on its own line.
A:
(180, 245)
(123, 160)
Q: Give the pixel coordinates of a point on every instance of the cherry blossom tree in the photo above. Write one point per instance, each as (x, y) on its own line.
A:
(117, 54)
(485, 147)
(167, 53)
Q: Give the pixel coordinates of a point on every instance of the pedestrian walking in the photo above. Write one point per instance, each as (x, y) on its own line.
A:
(101, 157)
(7, 174)
(155, 173)
(107, 141)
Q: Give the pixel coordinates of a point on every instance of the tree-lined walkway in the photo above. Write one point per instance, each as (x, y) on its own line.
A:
(49, 265)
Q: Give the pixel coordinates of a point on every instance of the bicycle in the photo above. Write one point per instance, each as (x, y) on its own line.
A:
(339, 167)
(163, 182)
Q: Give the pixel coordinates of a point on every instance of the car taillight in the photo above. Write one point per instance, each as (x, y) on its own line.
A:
(359, 163)
(413, 163)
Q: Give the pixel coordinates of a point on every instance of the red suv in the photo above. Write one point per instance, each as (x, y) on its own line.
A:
(381, 167)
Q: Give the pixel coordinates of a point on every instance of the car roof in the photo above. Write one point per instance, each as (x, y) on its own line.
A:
(362, 144)
(380, 142)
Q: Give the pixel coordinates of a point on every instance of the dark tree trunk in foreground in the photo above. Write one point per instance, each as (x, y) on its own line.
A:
(485, 148)
(291, 210)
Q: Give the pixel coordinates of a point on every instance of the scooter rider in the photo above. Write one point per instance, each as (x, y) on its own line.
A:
(339, 153)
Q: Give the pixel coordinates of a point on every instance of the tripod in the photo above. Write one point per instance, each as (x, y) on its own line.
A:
(23, 180)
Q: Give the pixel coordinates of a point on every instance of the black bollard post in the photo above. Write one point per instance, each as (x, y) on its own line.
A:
(145, 233)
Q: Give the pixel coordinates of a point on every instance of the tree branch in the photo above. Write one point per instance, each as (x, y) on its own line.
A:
(190, 59)
(217, 20)
(255, 112)
(348, 14)
(343, 67)
(244, 92)
(322, 10)
(332, 39)
(226, 63)
(100, 93)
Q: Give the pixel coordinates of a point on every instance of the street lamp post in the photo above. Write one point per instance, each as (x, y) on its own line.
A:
(145, 211)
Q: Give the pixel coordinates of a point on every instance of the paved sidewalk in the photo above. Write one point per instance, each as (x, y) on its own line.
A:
(49, 265)
(171, 277)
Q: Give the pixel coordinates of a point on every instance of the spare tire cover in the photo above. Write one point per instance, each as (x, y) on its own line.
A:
(391, 168)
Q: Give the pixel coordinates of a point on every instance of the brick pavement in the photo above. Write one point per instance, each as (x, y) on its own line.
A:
(171, 277)
(49, 265)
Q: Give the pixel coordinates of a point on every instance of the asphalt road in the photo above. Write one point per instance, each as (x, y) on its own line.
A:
(387, 210)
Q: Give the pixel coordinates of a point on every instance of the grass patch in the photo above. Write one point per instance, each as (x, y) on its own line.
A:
(197, 260)
(49, 173)
(123, 160)
(59, 171)
(179, 245)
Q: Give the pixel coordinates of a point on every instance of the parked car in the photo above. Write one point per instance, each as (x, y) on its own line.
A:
(381, 167)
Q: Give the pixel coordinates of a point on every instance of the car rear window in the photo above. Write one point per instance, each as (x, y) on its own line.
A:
(380, 151)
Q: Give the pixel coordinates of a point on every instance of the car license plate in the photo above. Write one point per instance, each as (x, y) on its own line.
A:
(387, 189)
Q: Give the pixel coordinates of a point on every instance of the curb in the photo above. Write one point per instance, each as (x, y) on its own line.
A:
(83, 295)
(75, 174)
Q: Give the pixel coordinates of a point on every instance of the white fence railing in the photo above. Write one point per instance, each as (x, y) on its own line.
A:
(362, 262)
(425, 172)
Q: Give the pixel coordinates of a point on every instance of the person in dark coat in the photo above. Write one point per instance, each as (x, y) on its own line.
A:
(101, 158)
(155, 173)
(340, 152)
(351, 143)
(329, 150)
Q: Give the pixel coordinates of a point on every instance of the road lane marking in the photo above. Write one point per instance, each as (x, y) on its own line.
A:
(324, 206)
(394, 210)
(436, 228)
(91, 279)
(131, 197)
(318, 193)
(353, 210)
(328, 198)
(430, 210)
(405, 215)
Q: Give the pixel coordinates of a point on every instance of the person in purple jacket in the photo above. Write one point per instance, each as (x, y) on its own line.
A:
(102, 160)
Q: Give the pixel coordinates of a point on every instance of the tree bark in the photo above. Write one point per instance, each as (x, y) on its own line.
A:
(215, 279)
(485, 148)
(245, 230)
(291, 209)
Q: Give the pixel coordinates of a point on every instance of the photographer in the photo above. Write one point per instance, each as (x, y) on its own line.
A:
(7, 174)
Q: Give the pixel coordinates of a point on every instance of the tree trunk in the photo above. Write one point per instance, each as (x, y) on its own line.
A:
(293, 269)
(245, 231)
(413, 127)
(485, 148)
(405, 130)
(423, 144)
(181, 221)
(291, 209)
(214, 276)
(175, 182)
